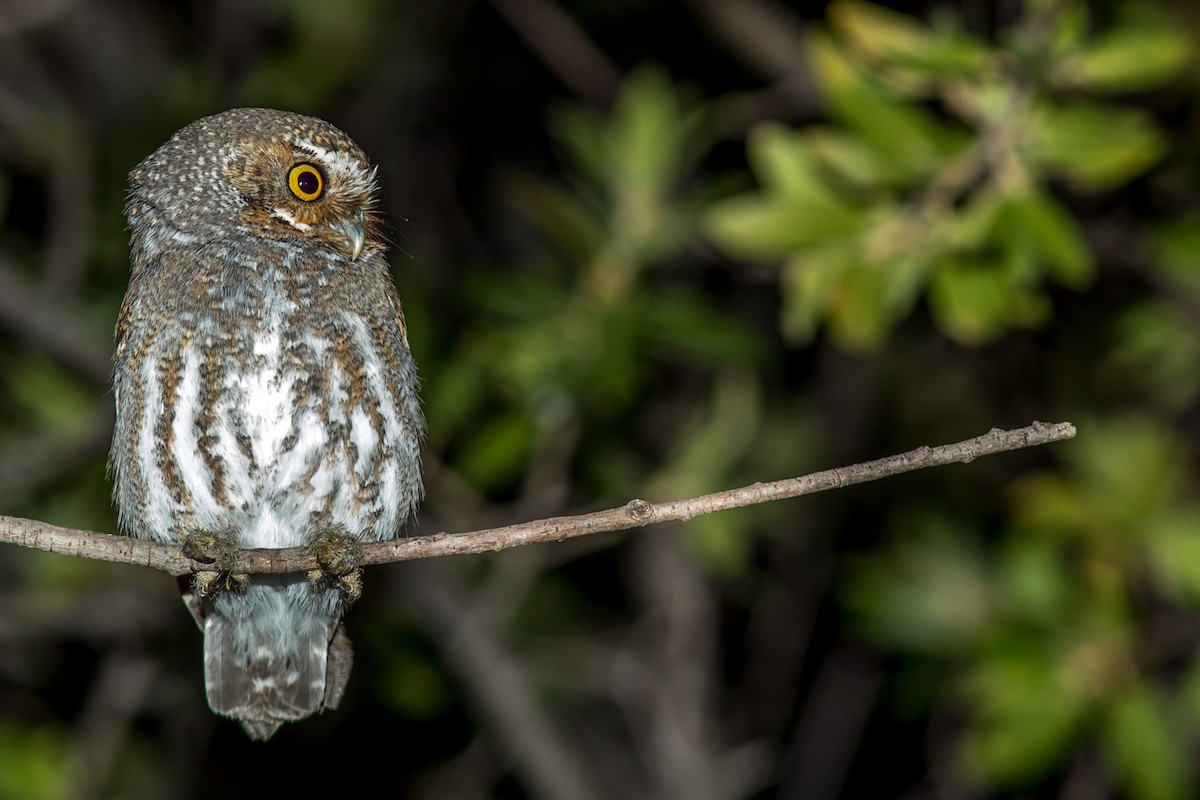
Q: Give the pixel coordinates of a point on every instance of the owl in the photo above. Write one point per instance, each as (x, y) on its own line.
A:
(265, 393)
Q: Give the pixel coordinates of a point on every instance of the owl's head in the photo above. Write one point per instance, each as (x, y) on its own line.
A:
(259, 173)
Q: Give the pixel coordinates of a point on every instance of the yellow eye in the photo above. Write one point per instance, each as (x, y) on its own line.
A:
(306, 182)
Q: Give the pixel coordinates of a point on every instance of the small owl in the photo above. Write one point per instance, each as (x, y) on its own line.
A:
(265, 393)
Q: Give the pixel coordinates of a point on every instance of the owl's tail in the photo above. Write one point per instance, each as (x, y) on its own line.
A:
(275, 653)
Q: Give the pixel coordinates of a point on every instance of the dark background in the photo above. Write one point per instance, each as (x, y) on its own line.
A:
(597, 319)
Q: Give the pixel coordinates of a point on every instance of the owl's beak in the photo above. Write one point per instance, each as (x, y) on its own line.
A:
(355, 232)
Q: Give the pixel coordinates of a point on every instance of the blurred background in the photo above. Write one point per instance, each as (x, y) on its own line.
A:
(656, 248)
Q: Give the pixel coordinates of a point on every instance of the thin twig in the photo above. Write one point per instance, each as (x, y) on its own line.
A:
(765, 34)
(769, 38)
(564, 47)
(634, 514)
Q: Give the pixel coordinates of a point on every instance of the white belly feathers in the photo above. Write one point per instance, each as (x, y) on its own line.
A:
(290, 462)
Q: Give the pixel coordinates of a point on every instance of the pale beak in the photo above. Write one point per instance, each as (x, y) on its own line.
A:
(355, 232)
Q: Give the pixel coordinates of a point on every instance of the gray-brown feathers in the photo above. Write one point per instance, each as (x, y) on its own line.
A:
(266, 396)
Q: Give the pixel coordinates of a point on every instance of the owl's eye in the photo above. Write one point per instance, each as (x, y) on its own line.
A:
(306, 182)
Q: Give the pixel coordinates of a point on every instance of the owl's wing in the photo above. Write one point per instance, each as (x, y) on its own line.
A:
(394, 301)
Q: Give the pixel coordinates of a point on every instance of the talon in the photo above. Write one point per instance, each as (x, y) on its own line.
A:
(198, 547)
(204, 584)
(221, 551)
(350, 585)
(336, 550)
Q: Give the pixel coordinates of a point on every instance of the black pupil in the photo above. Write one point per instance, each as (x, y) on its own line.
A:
(308, 181)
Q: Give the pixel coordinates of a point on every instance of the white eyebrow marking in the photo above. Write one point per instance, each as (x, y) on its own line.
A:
(286, 216)
(335, 160)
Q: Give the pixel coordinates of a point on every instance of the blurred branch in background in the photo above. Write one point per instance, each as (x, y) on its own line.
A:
(519, 725)
(28, 464)
(22, 15)
(564, 47)
(52, 326)
(768, 37)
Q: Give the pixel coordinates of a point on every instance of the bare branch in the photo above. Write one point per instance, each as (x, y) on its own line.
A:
(634, 514)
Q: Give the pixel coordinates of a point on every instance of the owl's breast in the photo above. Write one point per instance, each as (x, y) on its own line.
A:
(276, 431)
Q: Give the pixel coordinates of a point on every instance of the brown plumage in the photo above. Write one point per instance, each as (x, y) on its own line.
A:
(266, 396)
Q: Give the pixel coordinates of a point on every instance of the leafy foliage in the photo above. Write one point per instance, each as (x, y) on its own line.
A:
(894, 202)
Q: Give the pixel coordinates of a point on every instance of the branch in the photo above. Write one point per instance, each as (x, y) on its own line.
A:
(634, 514)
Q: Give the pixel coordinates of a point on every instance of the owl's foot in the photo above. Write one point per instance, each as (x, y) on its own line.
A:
(349, 584)
(336, 550)
(221, 550)
(208, 585)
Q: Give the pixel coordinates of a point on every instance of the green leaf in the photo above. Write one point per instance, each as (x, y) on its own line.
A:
(1156, 351)
(806, 284)
(1131, 469)
(1068, 25)
(720, 544)
(1028, 712)
(1128, 60)
(870, 298)
(452, 396)
(1050, 503)
(974, 301)
(859, 299)
(1095, 147)
(647, 141)
(689, 325)
(1032, 580)
(48, 394)
(1176, 250)
(651, 130)
(34, 763)
(797, 208)
(1147, 750)
(858, 160)
(896, 126)
(1054, 234)
(1173, 543)
(974, 225)
(1124, 475)
(703, 459)
(784, 162)
(887, 35)
(496, 454)
(754, 228)
(929, 594)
